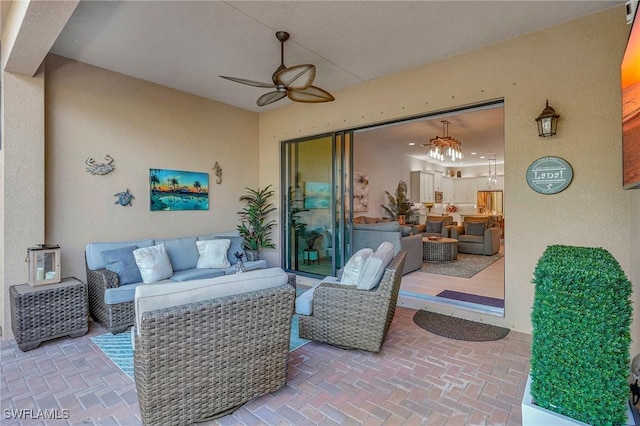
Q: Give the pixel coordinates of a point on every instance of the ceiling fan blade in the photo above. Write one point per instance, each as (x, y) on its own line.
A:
(249, 82)
(270, 98)
(299, 77)
(311, 95)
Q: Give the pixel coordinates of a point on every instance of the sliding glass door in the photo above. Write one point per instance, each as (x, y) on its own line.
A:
(314, 181)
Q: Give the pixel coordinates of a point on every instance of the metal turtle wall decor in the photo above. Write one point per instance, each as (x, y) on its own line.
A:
(124, 198)
(100, 168)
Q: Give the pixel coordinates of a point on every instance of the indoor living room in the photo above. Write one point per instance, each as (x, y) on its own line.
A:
(112, 88)
(445, 186)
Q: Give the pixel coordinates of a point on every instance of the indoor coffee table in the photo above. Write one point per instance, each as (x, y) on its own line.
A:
(439, 249)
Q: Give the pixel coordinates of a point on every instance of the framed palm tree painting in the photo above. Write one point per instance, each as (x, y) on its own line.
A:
(178, 190)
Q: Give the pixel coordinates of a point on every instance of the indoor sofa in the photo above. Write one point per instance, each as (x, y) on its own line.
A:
(113, 275)
(371, 235)
(206, 347)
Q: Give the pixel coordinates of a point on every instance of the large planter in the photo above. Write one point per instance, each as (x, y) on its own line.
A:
(532, 415)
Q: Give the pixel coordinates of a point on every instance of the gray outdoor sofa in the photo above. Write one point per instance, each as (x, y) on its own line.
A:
(111, 301)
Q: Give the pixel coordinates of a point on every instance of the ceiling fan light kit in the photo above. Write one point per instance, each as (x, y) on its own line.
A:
(293, 82)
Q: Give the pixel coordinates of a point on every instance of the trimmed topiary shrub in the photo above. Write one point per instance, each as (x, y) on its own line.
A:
(580, 347)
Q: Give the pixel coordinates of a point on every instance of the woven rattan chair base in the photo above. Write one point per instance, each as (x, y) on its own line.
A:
(115, 318)
(202, 360)
(344, 316)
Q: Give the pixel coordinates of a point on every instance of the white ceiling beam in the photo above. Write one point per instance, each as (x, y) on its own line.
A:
(30, 29)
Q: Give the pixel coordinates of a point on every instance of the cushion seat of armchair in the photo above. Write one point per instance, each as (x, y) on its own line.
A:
(471, 238)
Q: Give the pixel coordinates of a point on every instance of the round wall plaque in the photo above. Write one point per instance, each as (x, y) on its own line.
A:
(549, 175)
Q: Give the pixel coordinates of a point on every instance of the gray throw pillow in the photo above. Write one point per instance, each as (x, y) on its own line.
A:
(475, 228)
(122, 262)
(236, 246)
(434, 227)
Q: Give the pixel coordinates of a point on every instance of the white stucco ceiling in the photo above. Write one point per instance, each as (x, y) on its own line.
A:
(186, 45)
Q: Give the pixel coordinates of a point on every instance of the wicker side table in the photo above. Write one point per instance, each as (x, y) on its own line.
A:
(439, 250)
(48, 312)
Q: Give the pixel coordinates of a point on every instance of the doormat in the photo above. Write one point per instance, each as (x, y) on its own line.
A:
(458, 328)
(466, 266)
(472, 298)
(119, 350)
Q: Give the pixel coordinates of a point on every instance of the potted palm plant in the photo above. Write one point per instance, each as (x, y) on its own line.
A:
(399, 207)
(255, 227)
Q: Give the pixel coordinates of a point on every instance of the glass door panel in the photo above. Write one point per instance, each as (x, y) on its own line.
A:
(316, 202)
(310, 206)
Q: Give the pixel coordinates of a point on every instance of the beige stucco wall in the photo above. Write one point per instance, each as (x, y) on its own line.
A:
(91, 112)
(575, 66)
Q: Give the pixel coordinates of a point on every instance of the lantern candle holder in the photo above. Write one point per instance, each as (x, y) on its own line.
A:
(44, 264)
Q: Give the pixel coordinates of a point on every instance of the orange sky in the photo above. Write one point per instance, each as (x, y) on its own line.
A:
(630, 70)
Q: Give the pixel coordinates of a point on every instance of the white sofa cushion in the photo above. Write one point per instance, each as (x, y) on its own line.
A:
(213, 253)
(165, 295)
(375, 265)
(353, 269)
(304, 302)
(154, 263)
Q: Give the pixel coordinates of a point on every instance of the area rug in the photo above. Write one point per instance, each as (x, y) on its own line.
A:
(118, 346)
(466, 266)
(472, 298)
(458, 328)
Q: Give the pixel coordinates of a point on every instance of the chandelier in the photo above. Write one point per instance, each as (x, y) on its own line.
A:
(444, 147)
(492, 177)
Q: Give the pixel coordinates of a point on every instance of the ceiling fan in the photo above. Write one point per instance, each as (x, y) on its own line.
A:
(294, 82)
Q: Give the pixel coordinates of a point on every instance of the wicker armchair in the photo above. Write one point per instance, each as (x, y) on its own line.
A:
(117, 317)
(202, 360)
(347, 317)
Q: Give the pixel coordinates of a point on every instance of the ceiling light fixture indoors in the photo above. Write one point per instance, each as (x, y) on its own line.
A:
(492, 177)
(294, 82)
(444, 147)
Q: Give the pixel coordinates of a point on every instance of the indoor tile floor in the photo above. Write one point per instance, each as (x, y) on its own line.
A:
(417, 379)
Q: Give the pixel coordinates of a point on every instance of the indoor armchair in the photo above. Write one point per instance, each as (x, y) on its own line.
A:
(477, 236)
(435, 226)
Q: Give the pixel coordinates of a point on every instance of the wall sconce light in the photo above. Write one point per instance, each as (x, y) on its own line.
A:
(547, 121)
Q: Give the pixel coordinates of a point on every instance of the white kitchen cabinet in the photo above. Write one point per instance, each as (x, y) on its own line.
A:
(421, 190)
(465, 190)
(447, 190)
(437, 181)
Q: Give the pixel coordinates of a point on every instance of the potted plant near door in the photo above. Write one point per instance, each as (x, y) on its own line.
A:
(255, 227)
(399, 207)
(310, 254)
(580, 341)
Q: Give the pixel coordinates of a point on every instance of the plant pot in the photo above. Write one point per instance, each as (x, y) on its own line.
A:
(252, 255)
(402, 219)
(532, 415)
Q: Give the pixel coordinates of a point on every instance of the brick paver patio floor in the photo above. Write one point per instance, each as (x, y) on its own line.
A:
(417, 379)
